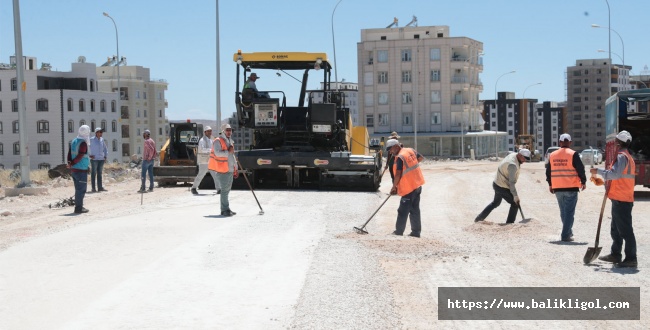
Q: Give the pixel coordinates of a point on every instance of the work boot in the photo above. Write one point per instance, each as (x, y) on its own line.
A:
(610, 258)
(412, 234)
(478, 219)
(85, 210)
(627, 263)
(150, 189)
(194, 192)
(231, 212)
(142, 191)
(396, 233)
(227, 213)
(102, 189)
(570, 239)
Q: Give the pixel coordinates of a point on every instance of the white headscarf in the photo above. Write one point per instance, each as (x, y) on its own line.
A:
(84, 133)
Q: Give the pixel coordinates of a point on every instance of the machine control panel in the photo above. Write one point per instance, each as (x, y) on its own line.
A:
(266, 115)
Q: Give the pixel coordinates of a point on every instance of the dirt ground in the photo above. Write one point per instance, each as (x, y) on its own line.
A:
(395, 280)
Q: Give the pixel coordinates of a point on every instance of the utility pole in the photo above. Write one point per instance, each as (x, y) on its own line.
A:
(22, 109)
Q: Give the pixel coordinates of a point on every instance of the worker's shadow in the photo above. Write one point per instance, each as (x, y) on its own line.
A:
(610, 268)
(560, 242)
(216, 216)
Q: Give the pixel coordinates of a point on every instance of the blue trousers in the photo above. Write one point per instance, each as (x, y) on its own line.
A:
(567, 201)
(96, 171)
(80, 180)
(225, 182)
(409, 207)
(621, 230)
(147, 167)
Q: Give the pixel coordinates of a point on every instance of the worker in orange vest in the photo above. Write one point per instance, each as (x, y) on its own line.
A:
(621, 193)
(565, 175)
(407, 183)
(222, 160)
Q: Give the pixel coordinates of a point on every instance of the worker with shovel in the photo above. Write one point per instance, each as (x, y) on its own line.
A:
(504, 185)
(408, 184)
(565, 175)
(621, 193)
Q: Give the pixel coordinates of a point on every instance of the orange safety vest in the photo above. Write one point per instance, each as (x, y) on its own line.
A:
(563, 174)
(411, 173)
(217, 163)
(622, 189)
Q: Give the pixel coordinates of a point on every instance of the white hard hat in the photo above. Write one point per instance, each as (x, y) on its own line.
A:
(624, 136)
(207, 128)
(524, 152)
(390, 143)
(225, 127)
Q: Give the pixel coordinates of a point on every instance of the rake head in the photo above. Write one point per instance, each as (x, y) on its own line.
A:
(360, 231)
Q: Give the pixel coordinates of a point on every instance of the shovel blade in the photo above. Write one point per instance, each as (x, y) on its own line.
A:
(360, 231)
(592, 254)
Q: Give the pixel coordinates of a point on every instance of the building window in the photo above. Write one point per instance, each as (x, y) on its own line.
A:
(435, 96)
(102, 106)
(406, 118)
(509, 114)
(370, 121)
(114, 145)
(435, 75)
(493, 115)
(383, 119)
(14, 105)
(16, 148)
(435, 118)
(43, 126)
(114, 126)
(577, 117)
(14, 126)
(41, 105)
(92, 105)
(406, 76)
(70, 126)
(69, 104)
(145, 113)
(159, 113)
(137, 114)
(434, 54)
(82, 122)
(382, 98)
(103, 125)
(406, 55)
(2, 149)
(382, 77)
(0, 105)
(137, 94)
(14, 84)
(144, 95)
(368, 99)
(0, 127)
(382, 56)
(113, 106)
(82, 105)
(406, 98)
(92, 125)
(43, 148)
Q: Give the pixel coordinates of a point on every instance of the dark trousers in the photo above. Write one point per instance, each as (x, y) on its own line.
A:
(80, 180)
(501, 194)
(96, 171)
(621, 230)
(409, 206)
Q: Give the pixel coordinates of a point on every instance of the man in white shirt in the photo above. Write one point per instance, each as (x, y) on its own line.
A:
(202, 156)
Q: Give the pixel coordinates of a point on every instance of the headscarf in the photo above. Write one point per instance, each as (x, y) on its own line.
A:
(84, 133)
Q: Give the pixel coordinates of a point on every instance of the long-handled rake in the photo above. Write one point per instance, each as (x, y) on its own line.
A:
(362, 230)
(249, 185)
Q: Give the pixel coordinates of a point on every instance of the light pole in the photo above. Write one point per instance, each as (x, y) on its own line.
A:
(619, 56)
(526, 104)
(336, 79)
(619, 36)
(218, 68)
(22, 108)
(117, 44)
(496, 108)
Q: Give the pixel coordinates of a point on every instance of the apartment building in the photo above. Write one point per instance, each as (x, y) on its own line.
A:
(57, 104)
(424, 84)
(550, 123)
(589, 83)
(142, 104)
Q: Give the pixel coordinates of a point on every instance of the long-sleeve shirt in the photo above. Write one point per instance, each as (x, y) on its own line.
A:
(98, 149)
(149, 149)
(616, 172)
(577, 164)
(83, 150)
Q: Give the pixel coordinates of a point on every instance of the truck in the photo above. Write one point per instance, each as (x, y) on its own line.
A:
(178, 156)
(309, 145)
(525, 141)
(619, 118)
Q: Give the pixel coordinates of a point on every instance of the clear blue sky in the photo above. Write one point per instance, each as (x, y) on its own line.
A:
(176, 39)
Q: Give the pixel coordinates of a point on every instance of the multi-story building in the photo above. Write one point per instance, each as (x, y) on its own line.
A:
(57, 104)
(142, 104)
(510, 115)
(350, 92)
(421, 82)
(550, 123)
(589, 83)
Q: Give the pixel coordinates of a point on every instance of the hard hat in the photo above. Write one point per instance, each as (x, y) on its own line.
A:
(624, 136)
(524, 152)
(390, 143)
(207, 128)
(225, 127)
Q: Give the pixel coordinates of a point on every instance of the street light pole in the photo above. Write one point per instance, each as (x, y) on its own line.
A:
(22, 108)
(117, 45)
(526, 104)
(218, 68)
(496, 108)
(336, 78)
(619, 37)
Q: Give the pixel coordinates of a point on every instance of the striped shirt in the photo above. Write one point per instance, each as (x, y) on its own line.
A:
(149, 149)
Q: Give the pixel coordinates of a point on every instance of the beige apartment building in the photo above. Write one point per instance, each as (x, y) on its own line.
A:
(142, 104)
(420, 81)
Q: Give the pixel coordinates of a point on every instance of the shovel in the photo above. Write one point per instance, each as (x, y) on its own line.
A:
(521, 212)
(593, 252)
(362, 230)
